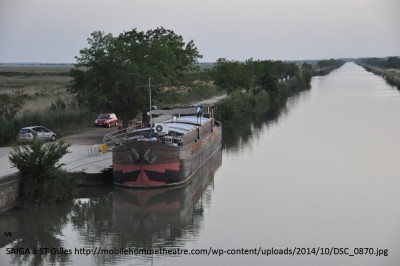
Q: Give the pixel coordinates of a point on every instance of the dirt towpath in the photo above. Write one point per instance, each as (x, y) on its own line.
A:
(88, 137)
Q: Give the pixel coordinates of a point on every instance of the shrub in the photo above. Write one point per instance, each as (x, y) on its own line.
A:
(43, 179)
(236, 107)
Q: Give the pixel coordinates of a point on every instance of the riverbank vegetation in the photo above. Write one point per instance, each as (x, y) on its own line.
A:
(254, 86)
(258, 90)
(388, 68)
(43, 179)
(37, 95)
(324, 67)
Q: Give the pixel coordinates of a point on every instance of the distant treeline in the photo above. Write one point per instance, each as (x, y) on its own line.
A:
(33, 74)
(330, 63)
(390, 62)
(324, 67)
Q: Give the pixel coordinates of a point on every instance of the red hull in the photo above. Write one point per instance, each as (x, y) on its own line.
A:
(169, 156)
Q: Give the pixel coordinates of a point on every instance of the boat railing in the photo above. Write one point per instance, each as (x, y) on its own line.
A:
(119, 137)
(133, 133)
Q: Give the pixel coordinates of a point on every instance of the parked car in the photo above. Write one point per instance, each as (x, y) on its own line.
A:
(106, 120)
(28, 133)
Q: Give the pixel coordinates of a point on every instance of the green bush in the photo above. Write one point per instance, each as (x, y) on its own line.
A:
(43, 180)
(234, 107)
(241, 105)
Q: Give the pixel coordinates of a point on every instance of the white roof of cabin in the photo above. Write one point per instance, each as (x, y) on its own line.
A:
(185, 124)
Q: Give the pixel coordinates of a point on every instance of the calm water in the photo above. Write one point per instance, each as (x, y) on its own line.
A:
(325, 174)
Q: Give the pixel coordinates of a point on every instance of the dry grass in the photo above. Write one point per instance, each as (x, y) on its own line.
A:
(43, 103)
(41, 87)
(43, 84)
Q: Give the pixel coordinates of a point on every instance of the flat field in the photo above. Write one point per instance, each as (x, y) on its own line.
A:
(42, 84)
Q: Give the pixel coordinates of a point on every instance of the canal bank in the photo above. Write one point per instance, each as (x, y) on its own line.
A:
(88, 159)
(9, 191)
(392, 76)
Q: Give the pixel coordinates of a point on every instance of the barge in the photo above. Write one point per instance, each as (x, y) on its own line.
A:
(154, 212)
(168, 152)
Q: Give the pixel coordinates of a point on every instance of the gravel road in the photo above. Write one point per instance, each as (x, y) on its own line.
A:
(88, 137)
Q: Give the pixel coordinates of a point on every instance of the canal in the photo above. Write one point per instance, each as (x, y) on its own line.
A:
(324, 176)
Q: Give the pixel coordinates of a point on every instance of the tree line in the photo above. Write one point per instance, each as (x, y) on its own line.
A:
(390, 62)
(254, 86)
(112, 73)
(252, 74)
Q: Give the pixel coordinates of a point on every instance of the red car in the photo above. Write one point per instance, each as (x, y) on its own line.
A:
(106, 120)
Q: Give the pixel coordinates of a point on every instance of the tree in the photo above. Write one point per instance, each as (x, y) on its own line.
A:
(269, 81)
(393, 62)
(112, 73)
(231, 75)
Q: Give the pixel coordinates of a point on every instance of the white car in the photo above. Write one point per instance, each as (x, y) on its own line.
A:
(27, 133)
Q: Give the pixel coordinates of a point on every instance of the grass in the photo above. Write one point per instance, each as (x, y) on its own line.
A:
(20, 77)
(43, 87)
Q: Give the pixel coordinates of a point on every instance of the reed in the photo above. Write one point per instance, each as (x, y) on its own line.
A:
(62, 122)
(43, 89)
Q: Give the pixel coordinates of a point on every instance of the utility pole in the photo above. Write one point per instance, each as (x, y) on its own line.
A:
(150, 93)
(150, 106)
(151, 116)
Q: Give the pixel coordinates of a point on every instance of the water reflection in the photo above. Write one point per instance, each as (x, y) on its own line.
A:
(240, 135)
(163, 216)
(36, 230)
(112, 218)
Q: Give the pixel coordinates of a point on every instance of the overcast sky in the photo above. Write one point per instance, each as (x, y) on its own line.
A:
(53, 31)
